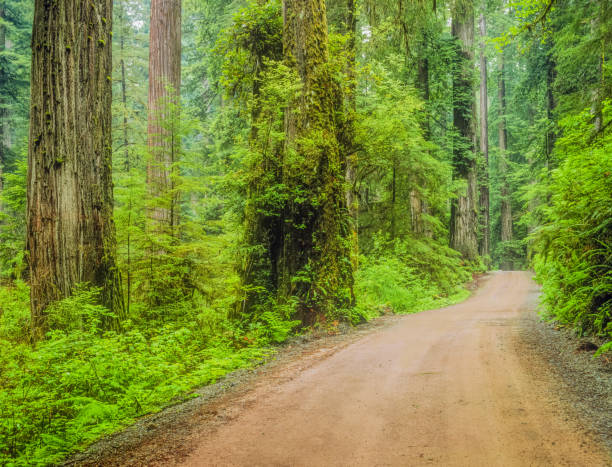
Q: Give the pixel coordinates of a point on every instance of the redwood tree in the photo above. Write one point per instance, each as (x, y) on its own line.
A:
(464, 208)
(70, 228)
(485, 248)
(506, 206)
(164, 97)
(314, 263)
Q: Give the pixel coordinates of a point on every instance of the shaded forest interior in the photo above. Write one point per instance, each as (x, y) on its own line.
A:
(185, 185)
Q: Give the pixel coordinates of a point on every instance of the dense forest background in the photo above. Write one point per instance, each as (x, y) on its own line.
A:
(277, 173)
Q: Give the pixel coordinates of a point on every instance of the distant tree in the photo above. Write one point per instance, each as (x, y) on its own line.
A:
(506, 205)
(484, 247)
(15, 33)
(464, 208)
(164, 102)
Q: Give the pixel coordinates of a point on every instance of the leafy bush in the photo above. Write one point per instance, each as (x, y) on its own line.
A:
(574, 246)
(80, 382)
(407, 276)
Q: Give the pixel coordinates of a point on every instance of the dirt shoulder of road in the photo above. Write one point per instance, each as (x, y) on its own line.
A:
(581, 382)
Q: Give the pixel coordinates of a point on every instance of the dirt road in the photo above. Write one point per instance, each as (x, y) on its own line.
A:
(469, 385)
(446, 387)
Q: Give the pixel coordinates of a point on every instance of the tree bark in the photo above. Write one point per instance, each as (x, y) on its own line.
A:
(418, 206)
(506, 205)
(126, 153)
(550, 106)
(263, 229)
(464, 208)
(3, 112)
(164, 101)
(348, 138)
(598, 91)
(315, 258)
(70, 228)
(485, 248)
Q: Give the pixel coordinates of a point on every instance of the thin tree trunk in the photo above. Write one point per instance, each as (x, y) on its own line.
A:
(506, 205)
(3, 111)
(418, 206)
(598, 91)
(164, 101)
(464, 208)
(126, 151)
(70, 228)
(126, 155)
(485, 248)
(550, 107)
(348, 138)
(393, 198)
(315, 260)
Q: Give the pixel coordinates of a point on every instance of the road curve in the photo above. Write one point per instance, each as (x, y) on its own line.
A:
(444, 387)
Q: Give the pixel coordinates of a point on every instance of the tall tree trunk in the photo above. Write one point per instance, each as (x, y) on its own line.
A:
(348, 136)
(506, 205)
(126, 154)
(126, 150)
(3, 111)
(550, 106)
(70, 228)
(598, 91)
(393, 199)
(464, 208)
(485, 248)
(262, 229)
(314, 264)
(418, 206)
(164, 101)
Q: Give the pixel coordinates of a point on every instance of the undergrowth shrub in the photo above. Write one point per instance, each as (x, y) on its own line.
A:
(573, 248)
(81, 382)
(406, 276)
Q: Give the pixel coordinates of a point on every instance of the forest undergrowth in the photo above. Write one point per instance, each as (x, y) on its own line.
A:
(82, 382)
(257, 195)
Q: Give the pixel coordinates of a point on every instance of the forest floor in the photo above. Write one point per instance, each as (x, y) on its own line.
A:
(482, 383)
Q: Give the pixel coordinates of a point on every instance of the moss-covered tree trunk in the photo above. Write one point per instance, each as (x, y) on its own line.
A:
(263, 222)
(3, 113)
(348, 135)
(464, 208)
(164, 100)
(506, 206)
(598, 89)
(314, 264)
(484, 247)
(70, 229)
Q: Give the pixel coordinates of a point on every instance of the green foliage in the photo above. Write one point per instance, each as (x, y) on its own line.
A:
(12, 222)
(407, 277)
(607, 347)
(574, 246)
(82, 382)
(15, 30)
(399, 165)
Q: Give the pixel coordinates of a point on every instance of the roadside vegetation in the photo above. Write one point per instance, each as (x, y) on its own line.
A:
(263, 176)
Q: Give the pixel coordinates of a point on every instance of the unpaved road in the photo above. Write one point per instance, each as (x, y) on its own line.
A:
(450, 387)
